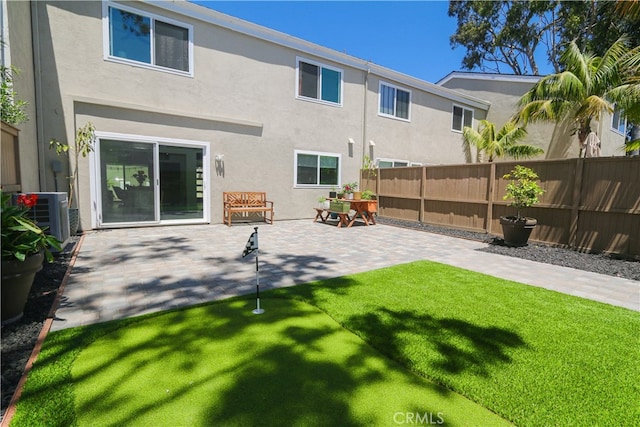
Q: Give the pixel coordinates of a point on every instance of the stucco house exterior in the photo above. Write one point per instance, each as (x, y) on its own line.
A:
(188, 103)
(503, 92)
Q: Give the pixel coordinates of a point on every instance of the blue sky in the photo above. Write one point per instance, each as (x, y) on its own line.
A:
(411, 37)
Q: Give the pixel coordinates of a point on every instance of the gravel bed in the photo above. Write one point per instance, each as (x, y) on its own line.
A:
(596, 263)
(19, 338)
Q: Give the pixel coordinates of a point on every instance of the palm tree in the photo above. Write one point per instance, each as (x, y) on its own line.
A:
(500, 144)
(588, 87)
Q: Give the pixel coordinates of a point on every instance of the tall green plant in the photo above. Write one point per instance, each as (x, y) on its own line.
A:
(504, 142)
(11, 107)
(523, 189)
(83, 145)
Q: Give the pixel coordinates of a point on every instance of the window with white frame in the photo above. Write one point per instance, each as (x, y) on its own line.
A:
(619, 121)
(462, 117)
(393, 163)
(394, 101)
(313, 169)
(144, 39)
(319, 82)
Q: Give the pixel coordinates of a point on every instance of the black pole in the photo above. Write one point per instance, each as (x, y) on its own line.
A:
(258, 310)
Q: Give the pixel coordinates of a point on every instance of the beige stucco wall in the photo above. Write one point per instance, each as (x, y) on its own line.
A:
(241, 101)
(21, 57)
(556, 141)
(426, 139)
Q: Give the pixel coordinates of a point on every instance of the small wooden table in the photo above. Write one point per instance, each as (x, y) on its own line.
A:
(364, 209)
(323, 215)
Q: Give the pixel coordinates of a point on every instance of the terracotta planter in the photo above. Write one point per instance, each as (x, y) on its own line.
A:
(516, 231)
(17, 278)
(372, 206)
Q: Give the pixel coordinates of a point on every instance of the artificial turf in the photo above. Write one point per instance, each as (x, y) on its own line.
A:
(533, 356)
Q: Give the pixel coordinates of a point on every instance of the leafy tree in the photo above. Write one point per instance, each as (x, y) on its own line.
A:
(609, 21)
(11, 108)
(589, 86)
(505, 33)
(494, 144)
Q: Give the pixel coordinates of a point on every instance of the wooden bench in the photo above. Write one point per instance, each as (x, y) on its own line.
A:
(246, 202)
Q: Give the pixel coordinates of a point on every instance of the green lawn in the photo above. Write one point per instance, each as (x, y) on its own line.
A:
(532, 356)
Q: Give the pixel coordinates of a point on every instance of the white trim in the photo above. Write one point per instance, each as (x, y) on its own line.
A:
(393, 161)
(106, 39)
(458, 75)
(321, 66)
(5, 48)
(315, 153)
(147, 138)
(473, 113)
(212, 17)
(622, 116)
(396, 88)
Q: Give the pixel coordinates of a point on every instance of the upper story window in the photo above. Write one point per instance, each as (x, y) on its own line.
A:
(619, 121)
(392, 163)
(319, 82)
(462, 117)
(314, 169)
(147, 40)
(394, 101)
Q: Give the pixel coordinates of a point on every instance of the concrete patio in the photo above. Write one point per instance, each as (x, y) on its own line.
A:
(127, 272)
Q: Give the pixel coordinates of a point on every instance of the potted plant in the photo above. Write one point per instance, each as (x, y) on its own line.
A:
(24, 248)
(348, 189)
(323, 202)
(372, 203)
(339, 206)
(368, 195)
(523, 191)
(83, 145)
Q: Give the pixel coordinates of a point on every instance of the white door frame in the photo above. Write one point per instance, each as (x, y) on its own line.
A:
(95, 188)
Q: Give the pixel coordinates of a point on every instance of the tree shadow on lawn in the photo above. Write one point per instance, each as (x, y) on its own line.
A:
(460, 346)
(449, 345)
(292, 365)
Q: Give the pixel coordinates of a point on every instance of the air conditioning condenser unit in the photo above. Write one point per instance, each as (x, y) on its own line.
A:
(52, 211)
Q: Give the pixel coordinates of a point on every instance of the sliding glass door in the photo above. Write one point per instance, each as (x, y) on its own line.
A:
(150, 182)
(181, 183)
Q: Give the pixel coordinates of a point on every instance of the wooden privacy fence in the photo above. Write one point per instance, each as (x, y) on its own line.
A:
(10, 172)
(589, 204)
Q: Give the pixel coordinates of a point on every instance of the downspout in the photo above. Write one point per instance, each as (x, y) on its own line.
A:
(364, 117)
(35, 40)
(5, 51)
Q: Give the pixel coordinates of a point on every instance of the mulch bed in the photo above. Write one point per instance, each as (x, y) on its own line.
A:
(19, 338)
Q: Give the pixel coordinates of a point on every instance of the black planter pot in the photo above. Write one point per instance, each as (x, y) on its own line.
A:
(516, 231)
(17, 278)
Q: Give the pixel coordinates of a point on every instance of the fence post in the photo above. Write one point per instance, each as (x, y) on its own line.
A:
(575, 203)
(491, 195)
(423, 188)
